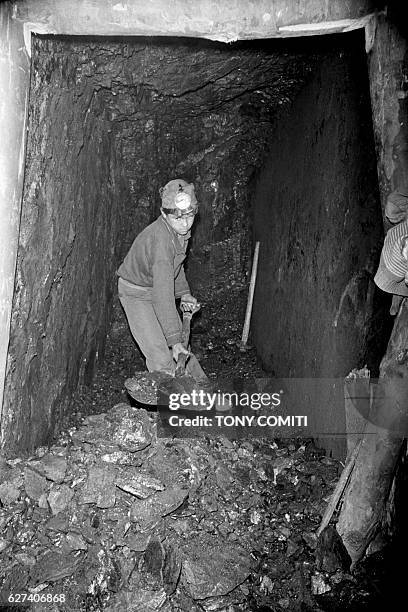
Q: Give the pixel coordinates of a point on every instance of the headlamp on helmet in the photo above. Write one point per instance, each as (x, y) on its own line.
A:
(178, 198)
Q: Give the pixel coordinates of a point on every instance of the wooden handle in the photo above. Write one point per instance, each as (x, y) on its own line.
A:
(181, 364)
(182, 358)
(185, 331)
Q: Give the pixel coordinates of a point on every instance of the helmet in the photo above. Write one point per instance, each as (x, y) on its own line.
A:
(178, 198)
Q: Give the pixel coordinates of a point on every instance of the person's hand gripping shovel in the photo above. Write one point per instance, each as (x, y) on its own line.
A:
(188, 309)
(156, 387)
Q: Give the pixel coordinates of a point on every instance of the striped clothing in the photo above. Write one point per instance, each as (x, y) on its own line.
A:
(392, 273)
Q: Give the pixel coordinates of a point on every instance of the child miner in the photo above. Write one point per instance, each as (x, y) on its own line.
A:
(152, 276)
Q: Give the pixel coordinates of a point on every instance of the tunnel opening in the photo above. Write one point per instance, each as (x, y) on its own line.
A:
(277, 137)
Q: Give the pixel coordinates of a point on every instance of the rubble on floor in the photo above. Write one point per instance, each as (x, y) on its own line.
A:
(113, 518)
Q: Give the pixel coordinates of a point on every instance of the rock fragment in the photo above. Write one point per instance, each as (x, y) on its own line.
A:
(99, 488)
(34, 483)
(59, 498)
(10, 486)
(139, 485)
(331, 554)
(139, 601)
(171, 567)
(57, 523)
(15, 581)
(131, 428)
(319, 584)
(53, 566)
(147, 512)
(211, 568)
(73, 541)
(152, 563)
(52, 467)
(118, 457)
(137, 541)
(3, 544)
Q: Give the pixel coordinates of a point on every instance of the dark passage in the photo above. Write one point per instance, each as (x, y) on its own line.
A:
(277, 138)
(276, 132)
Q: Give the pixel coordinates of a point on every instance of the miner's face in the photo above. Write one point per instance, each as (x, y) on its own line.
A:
(181, 224)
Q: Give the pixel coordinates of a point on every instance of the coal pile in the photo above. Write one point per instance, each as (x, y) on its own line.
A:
(114, 518)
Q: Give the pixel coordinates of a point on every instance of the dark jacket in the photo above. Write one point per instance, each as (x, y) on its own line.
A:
(155, 260)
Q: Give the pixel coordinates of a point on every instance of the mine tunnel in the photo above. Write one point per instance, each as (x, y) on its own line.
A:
(276, 136)
(285, 143)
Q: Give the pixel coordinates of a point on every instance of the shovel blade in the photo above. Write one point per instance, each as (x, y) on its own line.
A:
(145, 387)
(155, 388)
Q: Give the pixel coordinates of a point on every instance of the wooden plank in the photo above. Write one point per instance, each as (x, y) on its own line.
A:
(370, 482)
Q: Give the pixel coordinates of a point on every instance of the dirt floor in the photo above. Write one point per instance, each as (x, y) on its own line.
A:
(113, 517)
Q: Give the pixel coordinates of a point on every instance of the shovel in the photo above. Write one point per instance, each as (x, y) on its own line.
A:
(147, 387)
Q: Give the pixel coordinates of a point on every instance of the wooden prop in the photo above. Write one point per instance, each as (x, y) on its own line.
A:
(369, 481)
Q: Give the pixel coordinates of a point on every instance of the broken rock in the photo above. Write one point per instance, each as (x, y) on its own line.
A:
(139, 485)
(59, 498)
(319, 584)
(171, 567)
(53, 566)
(139, 600)
(3, 544)
(73, 541)
(35, 485)
(15, 582)
(25, 559)
(153, 561)
(119, 457)
(131, 428)
(58, 523)
(10, 487)
(52, 467)
(331, 554)
(211, 568)
(99, 488)
(147, 512)
(136, 541)
(5, 469)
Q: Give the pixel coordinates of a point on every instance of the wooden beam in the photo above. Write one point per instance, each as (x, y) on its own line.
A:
(371, 479)
(225, 21)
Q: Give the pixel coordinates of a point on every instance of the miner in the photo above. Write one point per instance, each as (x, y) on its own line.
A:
(152, 276)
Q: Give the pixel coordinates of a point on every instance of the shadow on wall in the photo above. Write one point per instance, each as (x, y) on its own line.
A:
(318, 217)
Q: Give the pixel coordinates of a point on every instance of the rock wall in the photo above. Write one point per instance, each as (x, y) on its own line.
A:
(62, 298)
(318, 217)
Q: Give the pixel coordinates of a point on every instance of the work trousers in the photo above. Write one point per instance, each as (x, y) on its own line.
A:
(147, 332)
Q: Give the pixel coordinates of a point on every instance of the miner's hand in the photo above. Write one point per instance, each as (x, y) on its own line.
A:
(190, 303)
(177, 349)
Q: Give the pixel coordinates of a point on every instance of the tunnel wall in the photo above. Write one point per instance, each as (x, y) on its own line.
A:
(62, 295)
(318, 218)
(14, 81)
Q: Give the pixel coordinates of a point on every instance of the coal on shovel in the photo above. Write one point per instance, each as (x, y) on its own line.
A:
(155, 387)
